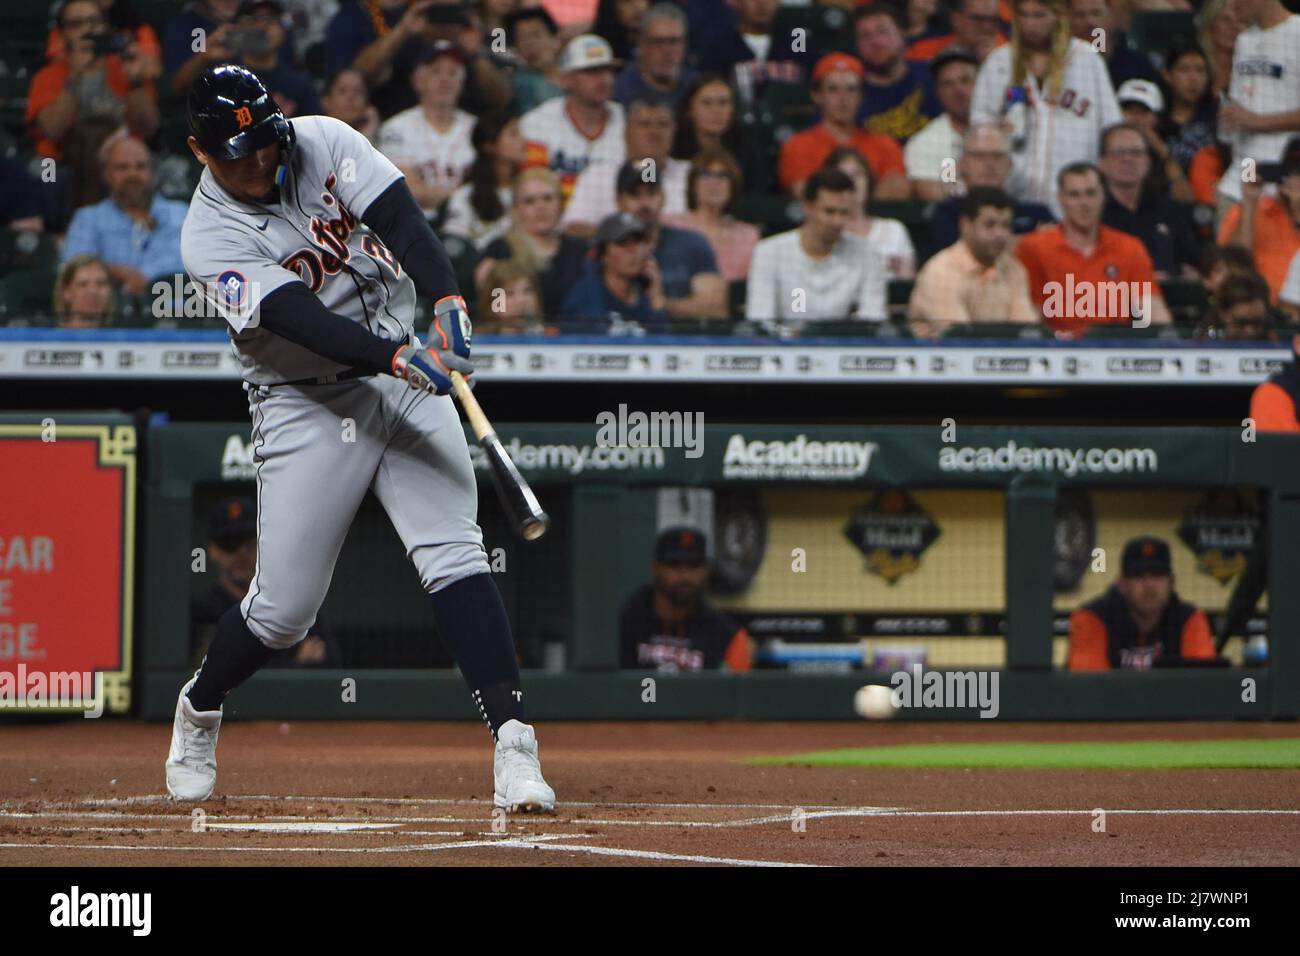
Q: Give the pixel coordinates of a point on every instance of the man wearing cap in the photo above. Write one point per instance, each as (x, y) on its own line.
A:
(693, 286)
(232, 546)
(670, 625)
(1139, 621)
(622, 280)
(1142, 105)
(1267, 222)
(256, 39)
(660, 68)
(837, 91)
(649, 138)
(430, 143)
(584, 126)
(976, 27)
(931, 155)
(1135, 206)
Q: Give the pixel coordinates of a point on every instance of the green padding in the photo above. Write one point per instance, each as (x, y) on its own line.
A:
(1083, 755)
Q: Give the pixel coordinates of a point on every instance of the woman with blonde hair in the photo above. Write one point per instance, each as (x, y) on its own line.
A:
(1050, 93)
(83, 293)
(1217, 29)
(509, 301)
(534, 240)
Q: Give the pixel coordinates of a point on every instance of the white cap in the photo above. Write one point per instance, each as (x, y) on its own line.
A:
(587, 52)
(1141, 91)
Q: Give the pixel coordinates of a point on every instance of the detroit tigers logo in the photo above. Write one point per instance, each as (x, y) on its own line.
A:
(232, 287)
(244, 117)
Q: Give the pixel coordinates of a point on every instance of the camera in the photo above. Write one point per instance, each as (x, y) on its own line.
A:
(105, 44)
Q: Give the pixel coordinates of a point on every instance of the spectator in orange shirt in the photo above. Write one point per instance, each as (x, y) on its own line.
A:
(837, 91)
(1275, 404)
(975, 27)
(86, 87)
(121, 18)
(1140, 621)
(1082, 273)
(1268, 226)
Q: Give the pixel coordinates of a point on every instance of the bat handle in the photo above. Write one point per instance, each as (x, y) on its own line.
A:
(473, 411)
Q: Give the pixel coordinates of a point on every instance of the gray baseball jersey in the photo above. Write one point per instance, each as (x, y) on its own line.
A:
(239, 253)
(319, 447)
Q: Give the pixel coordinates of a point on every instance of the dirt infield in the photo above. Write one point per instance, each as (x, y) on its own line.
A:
(89, 793)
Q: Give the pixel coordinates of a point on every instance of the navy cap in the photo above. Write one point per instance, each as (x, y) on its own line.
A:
(232, 521)
(681, 546)
(1146, 555)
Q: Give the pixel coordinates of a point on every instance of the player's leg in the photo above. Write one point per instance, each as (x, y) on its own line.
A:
(426, 484)
(315, 452)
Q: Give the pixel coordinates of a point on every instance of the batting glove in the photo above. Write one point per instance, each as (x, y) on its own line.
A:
(451, 330)
(429, 369)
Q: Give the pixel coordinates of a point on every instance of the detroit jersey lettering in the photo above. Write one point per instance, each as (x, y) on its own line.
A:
(239, 252)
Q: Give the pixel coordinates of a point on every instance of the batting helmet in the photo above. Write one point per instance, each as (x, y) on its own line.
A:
(232, 115)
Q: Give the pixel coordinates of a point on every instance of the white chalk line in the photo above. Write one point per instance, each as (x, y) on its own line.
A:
(443, 801)
(655, 855)
(519, 842)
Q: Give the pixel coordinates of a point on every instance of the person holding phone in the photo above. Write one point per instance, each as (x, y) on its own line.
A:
(622, 281)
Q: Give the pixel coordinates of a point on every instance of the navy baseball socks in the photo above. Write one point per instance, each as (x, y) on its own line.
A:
(234, 656)
(473, 626)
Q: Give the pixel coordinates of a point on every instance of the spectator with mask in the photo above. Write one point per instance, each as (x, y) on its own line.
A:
(976, 28)
(1091, 20)
(1140, 621)
(135, 231)
(648, 135)
(818, 270)
(1267, 223)
(897, 98)
(430, 142)
(837, 91)
(977, 278)
(1132, 206)
(256, 39)
(670, 625)
(83, 294)
(623, 280)
(750, 54)
(985, 161)
(712, 186)
(692, 285)
(384, 39)
(585, 126)
(76, 101)
(479, 209)
(534, 240)
(534, 36)
(707, 120)
(232, 546)
(659, 70)
(347, 98)
(930, 155)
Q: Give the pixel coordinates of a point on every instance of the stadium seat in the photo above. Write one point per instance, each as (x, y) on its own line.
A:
(994, 330)
(771, 213)
(915, 217)
(1126, 332)
(1153, 32)
(464, 257)
(27, 294)
(788, 104)
(1186, 299)
(898, 294)
(737, 290)
(22, 250)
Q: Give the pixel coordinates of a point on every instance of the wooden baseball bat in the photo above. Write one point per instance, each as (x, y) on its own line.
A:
(521, 504)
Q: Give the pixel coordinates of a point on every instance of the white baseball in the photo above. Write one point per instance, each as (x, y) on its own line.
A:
(874, 702)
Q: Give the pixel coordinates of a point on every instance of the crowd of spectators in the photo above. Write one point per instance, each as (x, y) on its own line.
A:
(592, 163)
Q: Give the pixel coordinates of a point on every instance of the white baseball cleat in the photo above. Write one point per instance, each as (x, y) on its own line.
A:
(192, 762)
(518, 773)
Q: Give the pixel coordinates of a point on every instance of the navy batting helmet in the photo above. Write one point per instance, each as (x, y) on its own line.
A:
(232, 115)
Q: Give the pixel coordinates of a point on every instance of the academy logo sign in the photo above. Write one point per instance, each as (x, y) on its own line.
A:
(801, 458)
(237, 460)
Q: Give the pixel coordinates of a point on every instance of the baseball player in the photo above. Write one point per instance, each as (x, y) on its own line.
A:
(309, 243)
(1051, 93)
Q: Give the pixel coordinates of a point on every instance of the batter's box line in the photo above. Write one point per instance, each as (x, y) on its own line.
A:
(444, 801)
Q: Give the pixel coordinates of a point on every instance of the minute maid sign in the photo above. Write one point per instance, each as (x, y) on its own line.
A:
(800, 457)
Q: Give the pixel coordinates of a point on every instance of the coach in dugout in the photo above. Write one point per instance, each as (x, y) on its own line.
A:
(670, 625)
(1140, 621)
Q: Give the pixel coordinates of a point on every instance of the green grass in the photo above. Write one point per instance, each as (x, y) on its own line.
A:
(1085, 754)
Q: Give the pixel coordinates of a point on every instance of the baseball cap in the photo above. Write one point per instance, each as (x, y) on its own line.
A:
(952, 54)
(681, 545)
(587, 51)
(1145, 555)
(631, 180)
(1142, 92)
(232, 520)
(838, 61)
(432, 51)
(618, 227)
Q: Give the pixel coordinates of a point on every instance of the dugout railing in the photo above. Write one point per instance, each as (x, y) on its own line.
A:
(601, 544)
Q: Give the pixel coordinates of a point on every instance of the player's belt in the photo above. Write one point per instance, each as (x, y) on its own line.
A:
(328, 379)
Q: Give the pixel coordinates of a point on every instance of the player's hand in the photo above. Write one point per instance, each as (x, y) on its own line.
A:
(429, 369)
(451, 329)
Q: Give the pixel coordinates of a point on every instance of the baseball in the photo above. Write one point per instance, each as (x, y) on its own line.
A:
(874, 702)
